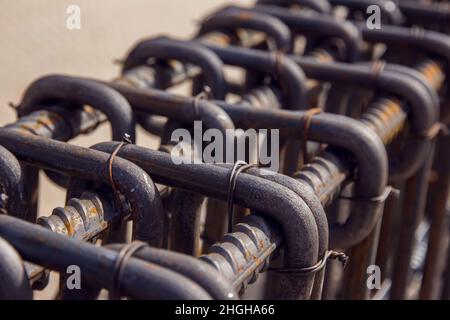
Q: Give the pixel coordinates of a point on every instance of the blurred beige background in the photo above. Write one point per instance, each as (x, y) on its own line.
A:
(35, 41)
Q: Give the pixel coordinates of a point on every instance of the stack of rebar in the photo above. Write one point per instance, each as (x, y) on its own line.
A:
(310, 161)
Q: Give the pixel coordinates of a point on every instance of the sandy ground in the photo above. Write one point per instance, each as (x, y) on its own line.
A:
(35, 41)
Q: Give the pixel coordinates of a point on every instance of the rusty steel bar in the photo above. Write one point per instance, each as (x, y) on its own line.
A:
(290, 211)
(423, 115)
(247, 117)
(321, 6)
(437, 197)
(194, 269)
(378, 115)
(290, 76)
(429, 41)
(286, 213)
(423, 118)
(390, 105)
(186, 212)
(211, 68)
(141, 280)
(164, 48)
(215, 23)
(432, 73)
(437, 45)
(437, 194)
(14, 280)
(91, 165)
(318, 25)
(389, 10)
(229, 20)
(72, 92)
(84, 218)
(428, 12)
(381, 102)
(13, 188)
(217, 28)
(399, 70)
(246, 252)
(415, 191)
(307, 192)
(81, 92)
(445, 290)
